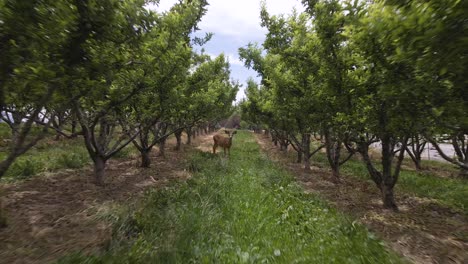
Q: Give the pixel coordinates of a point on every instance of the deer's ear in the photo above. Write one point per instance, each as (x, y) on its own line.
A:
(225, 131)
(235, 132)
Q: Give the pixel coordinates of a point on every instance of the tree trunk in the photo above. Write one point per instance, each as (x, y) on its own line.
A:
(178, 135)
(145, 158)
(189, 136)
(415, 150)
(388, 180)
(3, 221)
(73, 127)
(333, 151)
(274, 138)
(19, 146)
(336, 174)
(99, 169)
(333, 156)
(388, 197)
(299, 157)
(415, 157)
(306, 150)
(306, 164)
(162, 147)
(385, 180)
(460, 145)
(417, 164)
(284, 146)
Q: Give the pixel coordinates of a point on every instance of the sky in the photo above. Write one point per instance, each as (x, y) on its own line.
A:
(235, 23)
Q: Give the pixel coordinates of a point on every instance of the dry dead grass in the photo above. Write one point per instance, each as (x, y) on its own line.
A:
(423, 231)
(53, 215)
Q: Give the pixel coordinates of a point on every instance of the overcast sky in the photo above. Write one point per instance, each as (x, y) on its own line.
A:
(234, 24)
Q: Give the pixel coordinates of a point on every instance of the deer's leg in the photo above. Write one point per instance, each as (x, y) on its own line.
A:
(214, 148)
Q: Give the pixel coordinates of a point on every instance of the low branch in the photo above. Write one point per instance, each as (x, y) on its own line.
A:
(443, 155)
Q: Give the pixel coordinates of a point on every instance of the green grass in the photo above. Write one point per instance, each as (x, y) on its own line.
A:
(242, 210)
(5, 132)
(436, 164)
(451, 192)
(48, 156)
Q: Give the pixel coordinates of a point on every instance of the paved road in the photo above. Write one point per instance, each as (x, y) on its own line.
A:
(430, 153)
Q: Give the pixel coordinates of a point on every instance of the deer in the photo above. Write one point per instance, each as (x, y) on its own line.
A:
(223, 141)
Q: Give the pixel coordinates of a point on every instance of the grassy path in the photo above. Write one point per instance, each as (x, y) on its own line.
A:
(239, 210)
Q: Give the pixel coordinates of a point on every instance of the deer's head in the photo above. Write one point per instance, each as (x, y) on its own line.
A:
(230, 133)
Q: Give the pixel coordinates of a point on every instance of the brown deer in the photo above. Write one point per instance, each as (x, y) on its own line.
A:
(223, 141)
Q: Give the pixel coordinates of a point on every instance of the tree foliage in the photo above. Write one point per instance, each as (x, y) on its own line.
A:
(360, 72)
(122, 72)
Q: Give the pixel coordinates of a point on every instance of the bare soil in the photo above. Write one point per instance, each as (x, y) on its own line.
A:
(52, 215)
(422, 232)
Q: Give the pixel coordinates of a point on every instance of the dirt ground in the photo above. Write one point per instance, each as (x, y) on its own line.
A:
(423, 231)
(52, 215)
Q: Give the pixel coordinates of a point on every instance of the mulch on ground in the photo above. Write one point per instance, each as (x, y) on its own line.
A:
(423, 231)
(55, 214)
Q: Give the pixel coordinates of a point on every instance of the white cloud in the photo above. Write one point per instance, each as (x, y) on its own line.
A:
(164, 5)
(212, 55)
(241, 18)
(237, 18)
(234, 59)
(236, 22)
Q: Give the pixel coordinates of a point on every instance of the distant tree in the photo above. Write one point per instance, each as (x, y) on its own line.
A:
(161, 71)
(133, 31)
(209, 93)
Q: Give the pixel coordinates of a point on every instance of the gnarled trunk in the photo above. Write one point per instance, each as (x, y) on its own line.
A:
(178, 135)
(145, 158)
(417, 163)
(460, 145)
(336, 174)
(73, 128)
(306, 150)
(162, 147)
(3, 220)
(189, 136)
(415, 150)
(388, 198)
(386, 179)
(274, 139)
(99, 170)
(284, 145)
(333, 148)
(299, 157)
